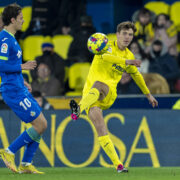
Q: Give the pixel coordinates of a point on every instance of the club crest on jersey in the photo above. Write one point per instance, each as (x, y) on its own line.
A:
(19, 54)
(4, 48)
(109, 50)
(33, 113)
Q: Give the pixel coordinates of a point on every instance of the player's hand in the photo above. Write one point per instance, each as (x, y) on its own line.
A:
(30, 65)
(152, 100)
(28, 86)
(135, 62)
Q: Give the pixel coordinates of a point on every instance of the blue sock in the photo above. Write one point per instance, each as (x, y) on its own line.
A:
(25, 138)
(20, 141)
(30, 151)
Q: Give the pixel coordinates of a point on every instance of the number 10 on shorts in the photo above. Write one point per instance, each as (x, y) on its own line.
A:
(25, 103)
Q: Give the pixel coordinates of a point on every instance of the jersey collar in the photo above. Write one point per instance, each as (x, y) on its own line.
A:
(9, 32)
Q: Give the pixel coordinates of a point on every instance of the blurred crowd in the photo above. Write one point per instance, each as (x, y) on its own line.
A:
(155, 44)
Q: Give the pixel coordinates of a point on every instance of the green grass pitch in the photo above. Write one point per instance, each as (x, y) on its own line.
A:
(167, 173)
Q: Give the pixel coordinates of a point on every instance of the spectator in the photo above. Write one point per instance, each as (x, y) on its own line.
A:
(69, 15)
(50, 57)
(78, 51)
(43, 103)
(162, 63)
(140, 54)
(166, 31)
(127, 85)
(46, 83)
(144, 26)
(44, 18)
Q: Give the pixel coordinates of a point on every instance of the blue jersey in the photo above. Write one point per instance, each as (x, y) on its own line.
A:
(10, 64)
(14, 93)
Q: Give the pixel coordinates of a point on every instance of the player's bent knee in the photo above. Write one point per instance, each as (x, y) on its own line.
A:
(40, 124)
(43, 125)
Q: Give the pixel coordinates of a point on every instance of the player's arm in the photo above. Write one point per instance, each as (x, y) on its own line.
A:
(8, 68)
(138, 78)
(5, 66)
(28, 86)
(119, 60)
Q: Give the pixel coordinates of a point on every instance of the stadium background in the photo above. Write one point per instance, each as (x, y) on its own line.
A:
(142, 136)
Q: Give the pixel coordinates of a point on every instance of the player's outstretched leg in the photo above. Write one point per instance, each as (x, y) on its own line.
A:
(26, 166)
(8, 159)
(75, 109)
(90, 98)
(95, 114)
(39, 126)
(109, 149)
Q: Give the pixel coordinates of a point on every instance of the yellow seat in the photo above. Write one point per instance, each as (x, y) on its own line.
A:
(158, 7)
(174, 13)
(27, 11)
(27, 75)
(61, 44)
(32, 47)
(112, 36)
(77, 77)
(1, 9)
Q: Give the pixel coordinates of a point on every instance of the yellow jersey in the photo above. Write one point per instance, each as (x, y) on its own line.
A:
(109, 67)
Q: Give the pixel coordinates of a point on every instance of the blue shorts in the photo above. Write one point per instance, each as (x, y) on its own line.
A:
(23, 105)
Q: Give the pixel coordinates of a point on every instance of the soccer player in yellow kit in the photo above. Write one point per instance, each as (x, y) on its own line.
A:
(99, 92)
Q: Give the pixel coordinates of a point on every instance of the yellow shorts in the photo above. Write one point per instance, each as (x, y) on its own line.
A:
(106, 103)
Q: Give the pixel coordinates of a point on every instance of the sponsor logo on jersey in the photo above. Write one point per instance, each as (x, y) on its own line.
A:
(4, 48)
(118, 68)
(4, 39)
(19, 53)
(32, 113)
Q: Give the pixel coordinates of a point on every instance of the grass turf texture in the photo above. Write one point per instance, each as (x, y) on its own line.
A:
(167, 173)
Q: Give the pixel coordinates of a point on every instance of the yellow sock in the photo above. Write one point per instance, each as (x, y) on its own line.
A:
(89, 99)
(109, 149)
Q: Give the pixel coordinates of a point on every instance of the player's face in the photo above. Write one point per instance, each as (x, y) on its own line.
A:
(19, 22)
(124, 37)
(161, 20)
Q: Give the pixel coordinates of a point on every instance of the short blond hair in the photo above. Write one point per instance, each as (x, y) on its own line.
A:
(126, 25)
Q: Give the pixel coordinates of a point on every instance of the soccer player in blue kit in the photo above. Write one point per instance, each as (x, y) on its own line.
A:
(15, 92)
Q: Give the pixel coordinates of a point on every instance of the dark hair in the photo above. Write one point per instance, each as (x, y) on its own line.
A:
(158, 42)
(36, 94)
(144, 11)
(156, 19)
(143, 54)
(10, 11)
(126, 25)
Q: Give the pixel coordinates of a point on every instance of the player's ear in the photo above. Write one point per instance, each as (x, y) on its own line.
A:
(117, 34)
(13, 20)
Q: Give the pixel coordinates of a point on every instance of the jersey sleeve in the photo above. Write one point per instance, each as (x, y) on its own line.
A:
(138, 78)
(4, 59)
(114, 59)
(4, 51)
(109, 57)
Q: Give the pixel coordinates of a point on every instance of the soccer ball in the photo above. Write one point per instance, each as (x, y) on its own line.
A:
(98, 43)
